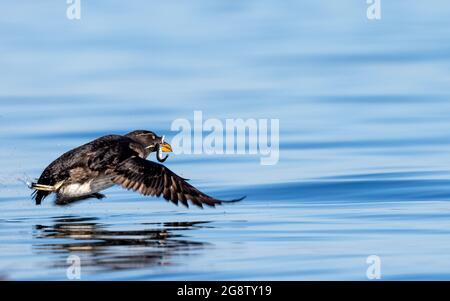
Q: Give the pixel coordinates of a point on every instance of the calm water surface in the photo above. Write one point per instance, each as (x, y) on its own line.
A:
(364, 112)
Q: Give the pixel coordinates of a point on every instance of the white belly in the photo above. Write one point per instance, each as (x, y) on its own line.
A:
(82, 189)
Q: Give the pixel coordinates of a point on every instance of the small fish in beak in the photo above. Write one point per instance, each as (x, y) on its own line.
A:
(163, 147)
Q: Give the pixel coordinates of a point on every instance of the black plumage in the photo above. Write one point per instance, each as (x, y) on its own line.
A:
(117, 160)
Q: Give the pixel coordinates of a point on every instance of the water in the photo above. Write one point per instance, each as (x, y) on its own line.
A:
(364, 112)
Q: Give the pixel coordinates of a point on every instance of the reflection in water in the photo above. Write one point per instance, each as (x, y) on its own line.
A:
(99, 247)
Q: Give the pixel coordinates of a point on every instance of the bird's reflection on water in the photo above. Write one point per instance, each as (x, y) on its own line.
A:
(157, 244)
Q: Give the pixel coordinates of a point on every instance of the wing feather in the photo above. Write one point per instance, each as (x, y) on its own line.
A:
(151, 178)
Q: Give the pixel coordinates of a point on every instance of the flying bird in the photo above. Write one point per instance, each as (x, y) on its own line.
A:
(117, 160)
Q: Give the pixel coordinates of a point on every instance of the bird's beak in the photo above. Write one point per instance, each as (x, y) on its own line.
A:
(166, 147)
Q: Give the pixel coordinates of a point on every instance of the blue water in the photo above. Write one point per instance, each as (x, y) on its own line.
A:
(364, 112)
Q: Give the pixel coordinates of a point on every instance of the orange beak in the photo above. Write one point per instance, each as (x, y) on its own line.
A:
(166, 147)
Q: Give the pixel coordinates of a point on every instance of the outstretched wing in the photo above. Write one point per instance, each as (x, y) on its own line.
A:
(151, 178)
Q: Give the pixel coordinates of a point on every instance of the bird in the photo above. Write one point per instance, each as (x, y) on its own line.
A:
(85, 171)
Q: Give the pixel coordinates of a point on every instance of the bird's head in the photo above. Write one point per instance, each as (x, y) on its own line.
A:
(151, 142)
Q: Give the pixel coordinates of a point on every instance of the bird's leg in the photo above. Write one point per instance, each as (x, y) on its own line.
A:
(42, 187)
(98, 196)
(49, 188)
(62, 201)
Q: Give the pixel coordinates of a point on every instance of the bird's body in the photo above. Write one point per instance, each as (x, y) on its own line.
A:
(116, 160)
(84, 170)
(85, 188)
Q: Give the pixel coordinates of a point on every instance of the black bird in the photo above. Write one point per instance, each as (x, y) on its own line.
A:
(117, 160)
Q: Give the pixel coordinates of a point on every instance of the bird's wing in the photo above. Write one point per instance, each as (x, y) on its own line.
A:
(151, 178)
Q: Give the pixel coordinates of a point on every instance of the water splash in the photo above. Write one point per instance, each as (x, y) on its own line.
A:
(25, 179)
